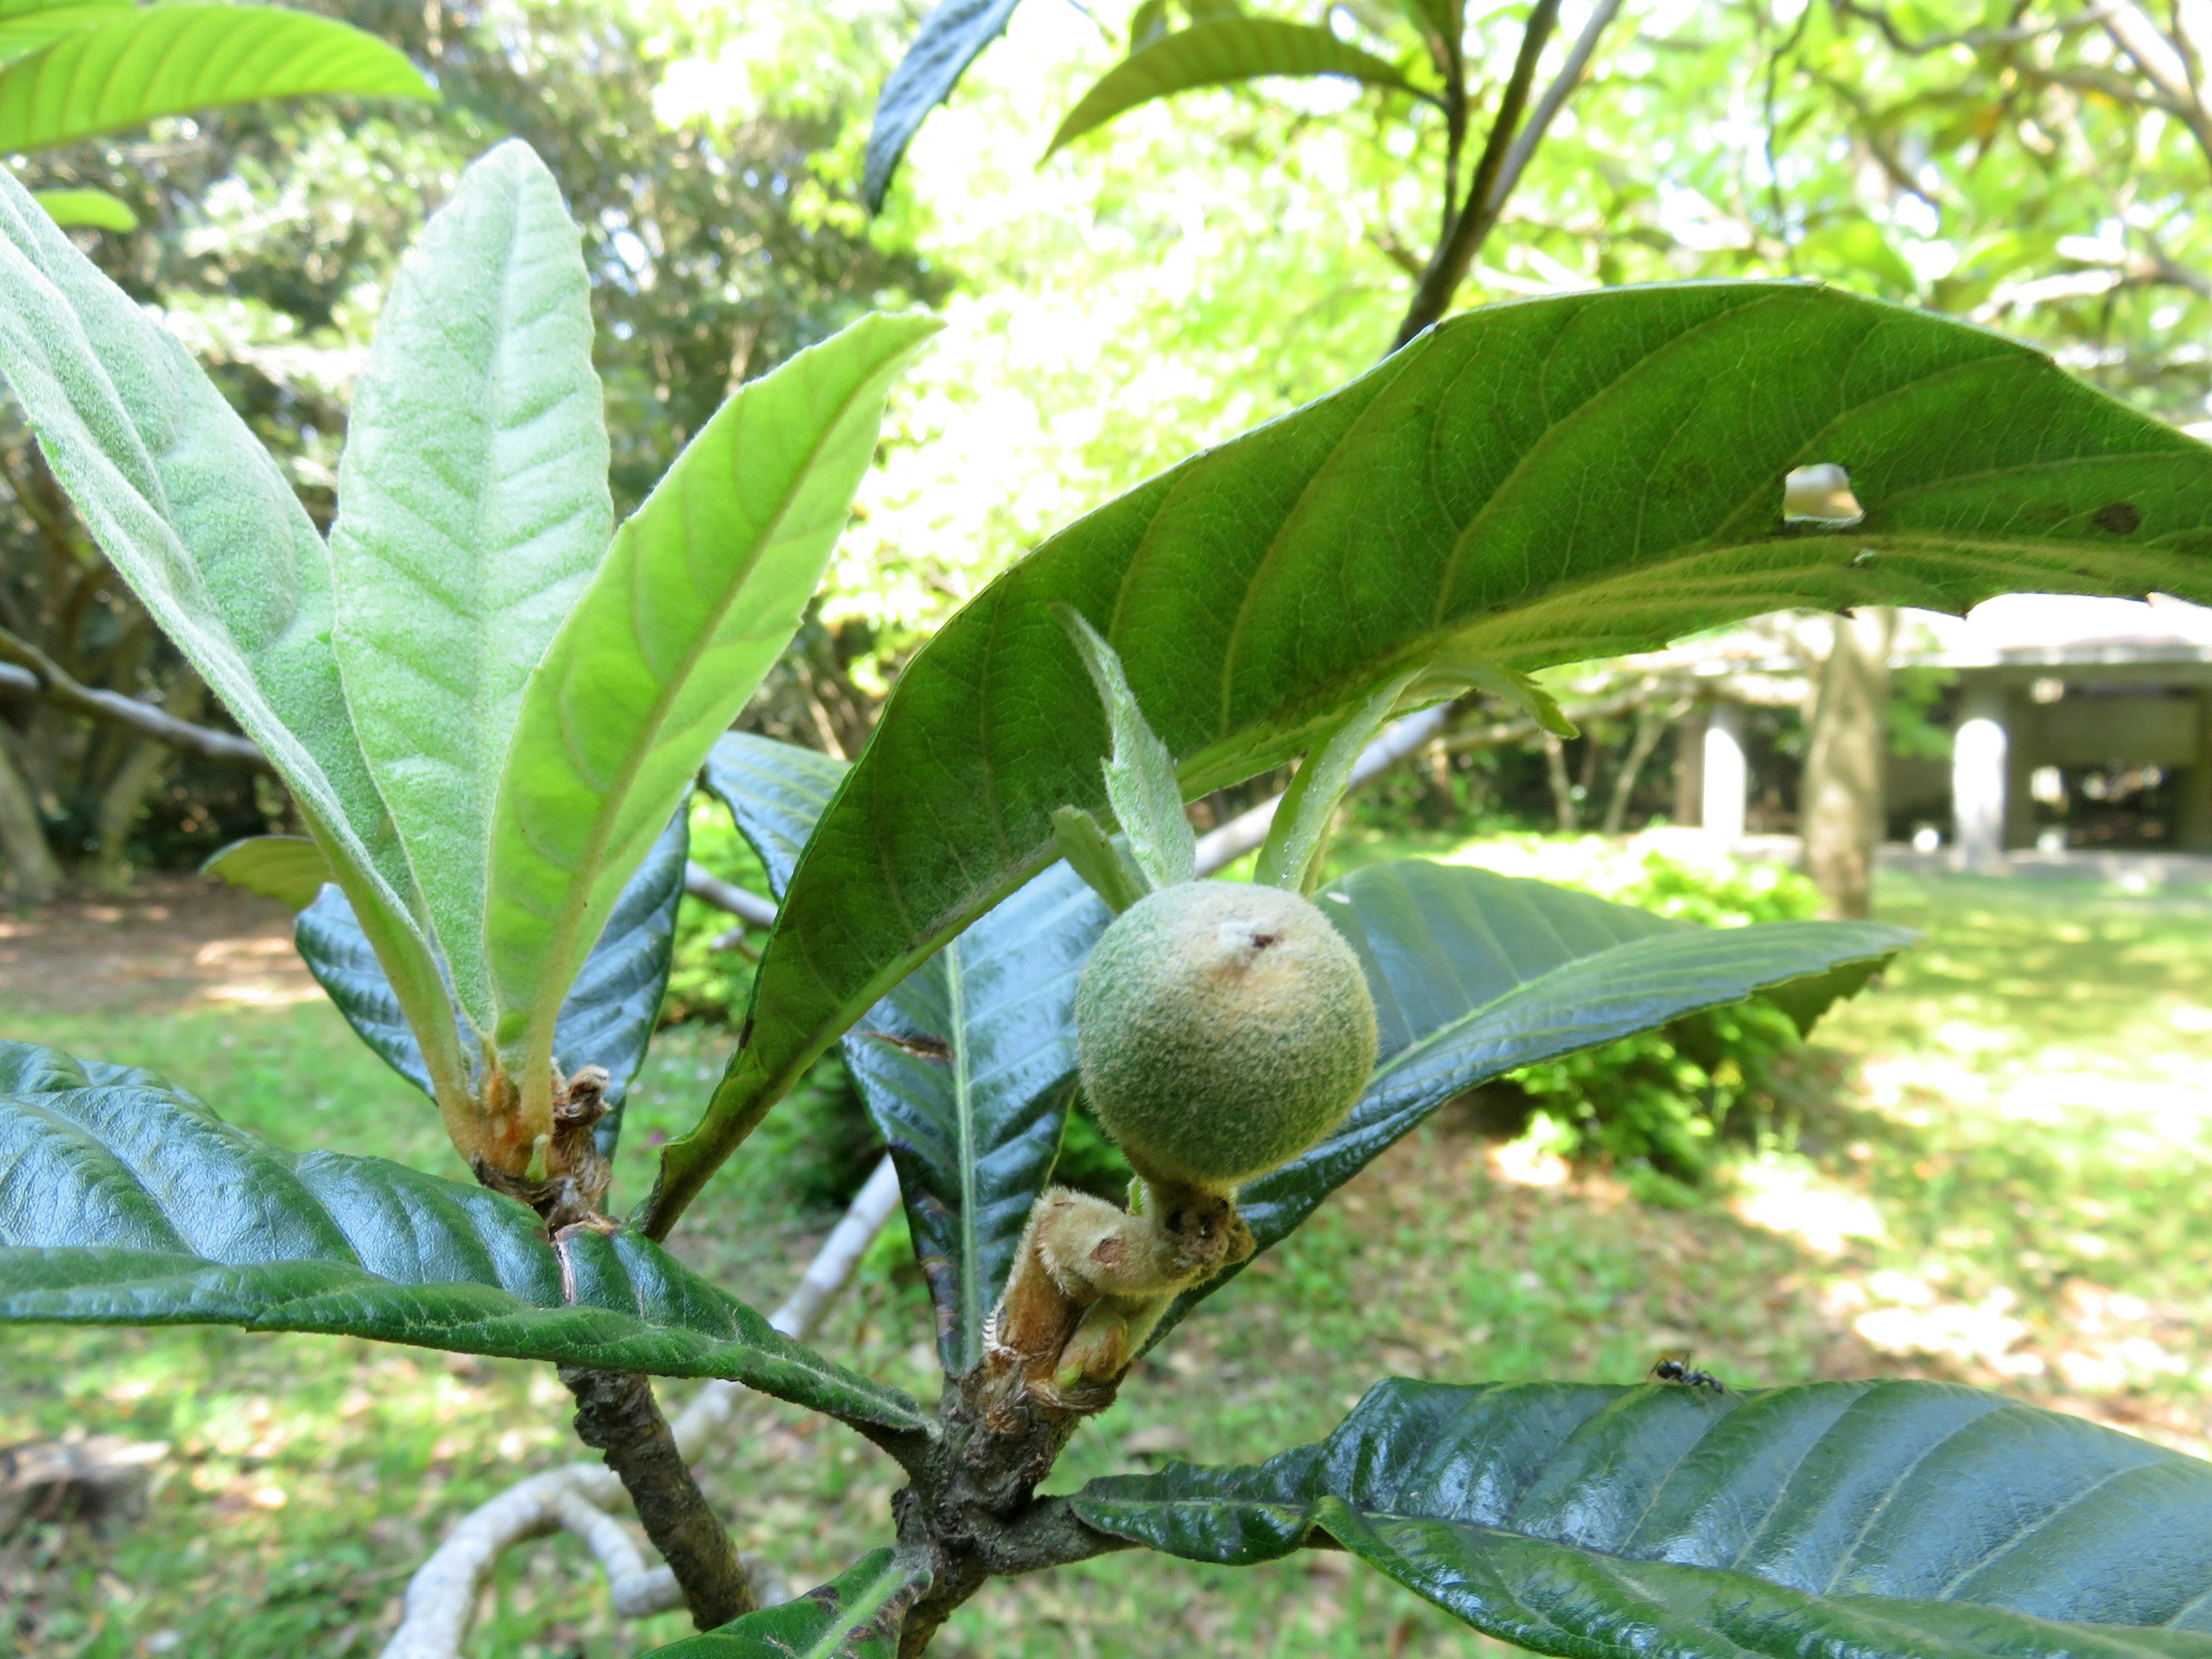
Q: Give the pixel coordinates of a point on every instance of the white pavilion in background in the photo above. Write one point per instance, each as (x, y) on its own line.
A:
(2050, 688)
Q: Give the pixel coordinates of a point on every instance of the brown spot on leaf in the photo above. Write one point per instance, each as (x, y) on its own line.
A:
(923, 1047)
(1690, 475)
(2118, 517)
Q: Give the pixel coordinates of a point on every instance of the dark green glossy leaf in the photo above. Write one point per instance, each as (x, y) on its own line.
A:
(1918, 1519)
(1558, 480)
(608, 1015)
(856, 1615)
(1476, 974)
(26, 1069)
(951, 37)
(329, 940)
(775, 791)
(1218, 54)
(172, 59)
(607, 1019)
(124, 1203)
(967, 1069)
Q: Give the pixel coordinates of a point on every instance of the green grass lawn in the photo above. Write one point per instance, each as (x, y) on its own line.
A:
(1995, 1180)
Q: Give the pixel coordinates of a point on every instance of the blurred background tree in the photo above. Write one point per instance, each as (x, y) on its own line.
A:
(1198, 263)
(266, 235)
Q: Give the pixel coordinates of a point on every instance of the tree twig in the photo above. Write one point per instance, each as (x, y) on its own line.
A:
(1456, 250)
(36, 674)
(441, 1597)
(748, 908)
(618, 1416)
(1977, 40)
(1548, 107)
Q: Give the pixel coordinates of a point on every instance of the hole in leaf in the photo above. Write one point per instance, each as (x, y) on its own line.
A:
(1820, 495)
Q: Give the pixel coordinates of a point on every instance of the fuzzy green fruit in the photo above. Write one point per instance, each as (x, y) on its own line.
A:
(1222, 1028)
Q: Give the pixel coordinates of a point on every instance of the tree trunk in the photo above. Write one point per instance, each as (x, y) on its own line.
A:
(1689, 769)
(142, 769)
(1650, 727)
(1441, 807)
(1562, 790)
(1840, 803)
(33, 876)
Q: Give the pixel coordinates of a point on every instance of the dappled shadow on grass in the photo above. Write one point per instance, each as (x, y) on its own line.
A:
(1988, 1171)
(2022, 1109)
(176, 941)
(304, 1477)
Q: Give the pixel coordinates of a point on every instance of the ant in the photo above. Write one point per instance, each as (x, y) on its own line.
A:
(1673, 1369)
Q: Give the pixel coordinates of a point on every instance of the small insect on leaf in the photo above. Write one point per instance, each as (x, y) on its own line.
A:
(1675, 1368)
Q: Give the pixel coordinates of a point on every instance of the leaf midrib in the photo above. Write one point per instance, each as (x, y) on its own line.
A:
(963, 1117)
(625, 775)
(1457, 1026)
(187, 1265)
(896, 1576)
(1452, 1028)
(1205, 767)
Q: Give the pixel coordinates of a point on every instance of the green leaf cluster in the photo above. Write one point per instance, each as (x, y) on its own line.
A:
(76, 69)
(1220, 45)
(488, 702)
(1549, 482)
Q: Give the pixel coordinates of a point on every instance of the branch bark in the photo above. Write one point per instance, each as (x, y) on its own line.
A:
(36, 674)
(618, 1416)
(971, 1510)
(748, 908)
(1455, 249)
(441, 1597)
